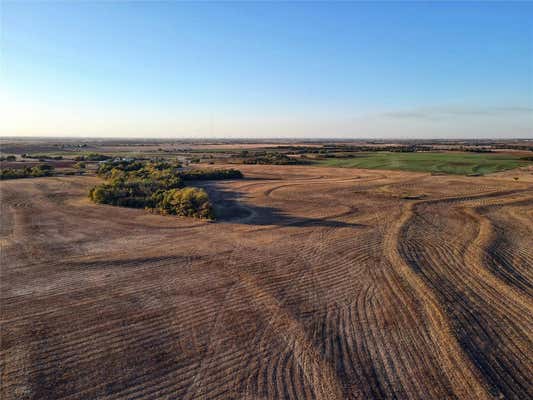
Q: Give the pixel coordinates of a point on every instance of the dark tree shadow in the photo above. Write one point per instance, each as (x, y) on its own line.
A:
(230, 206)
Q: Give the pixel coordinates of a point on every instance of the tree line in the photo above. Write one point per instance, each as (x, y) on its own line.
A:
(27, 172)
(270, 158)
(92, 157)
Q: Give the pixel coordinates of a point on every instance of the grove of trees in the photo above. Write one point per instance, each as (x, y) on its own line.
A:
(270, 158)
(92, 157)
(158, 186)
(28, 172)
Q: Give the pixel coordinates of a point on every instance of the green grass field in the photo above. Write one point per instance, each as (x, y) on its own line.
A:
(449, 163)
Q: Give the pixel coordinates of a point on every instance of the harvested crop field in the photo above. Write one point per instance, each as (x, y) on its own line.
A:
(314, 283)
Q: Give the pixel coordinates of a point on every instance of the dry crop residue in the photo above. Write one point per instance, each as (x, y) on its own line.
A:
(315, 283)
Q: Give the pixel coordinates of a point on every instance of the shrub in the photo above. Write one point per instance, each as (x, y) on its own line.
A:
(101, 194)
(34, 172)
(188, 202)
(10, 173)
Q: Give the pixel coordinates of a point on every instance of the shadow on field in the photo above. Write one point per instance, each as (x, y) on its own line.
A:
(229, 207)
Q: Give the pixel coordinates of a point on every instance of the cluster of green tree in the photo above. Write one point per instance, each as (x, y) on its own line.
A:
(512, 146)
(338, 155)
(8, 158)
(135, 183)
(158, 186)
(189, 202)
(137, 194)
(69, 146)
(115, 168)
(476, 149)
(28, 172)
(42, 157)
(271, 158)
(210, 174)
(92, 157)
(327, 150)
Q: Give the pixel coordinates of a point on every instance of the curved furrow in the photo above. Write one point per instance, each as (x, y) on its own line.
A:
(88, 350)
(472, 288)
(371, 384)
(466, 381)
(509, 252)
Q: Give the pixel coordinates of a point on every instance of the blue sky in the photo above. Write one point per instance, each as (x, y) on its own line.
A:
(169, 69)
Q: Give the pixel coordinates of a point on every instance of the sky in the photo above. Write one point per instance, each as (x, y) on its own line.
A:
(266, 70)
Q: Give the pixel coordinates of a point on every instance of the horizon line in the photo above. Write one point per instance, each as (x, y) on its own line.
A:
(319, 139)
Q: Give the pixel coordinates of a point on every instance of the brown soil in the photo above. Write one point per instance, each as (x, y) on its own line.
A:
(315, 283)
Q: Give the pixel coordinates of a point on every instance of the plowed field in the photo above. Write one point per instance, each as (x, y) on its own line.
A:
(314, 283)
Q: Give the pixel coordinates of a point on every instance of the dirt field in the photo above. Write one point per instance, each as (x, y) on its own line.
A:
(316, 283)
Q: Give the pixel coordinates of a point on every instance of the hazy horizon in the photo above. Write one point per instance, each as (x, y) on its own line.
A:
(257, 139)
(313, 71)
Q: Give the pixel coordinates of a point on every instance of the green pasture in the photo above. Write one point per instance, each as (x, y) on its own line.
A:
(445, 162)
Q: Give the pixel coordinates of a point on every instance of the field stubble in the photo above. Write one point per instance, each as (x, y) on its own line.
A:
(315, 283)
